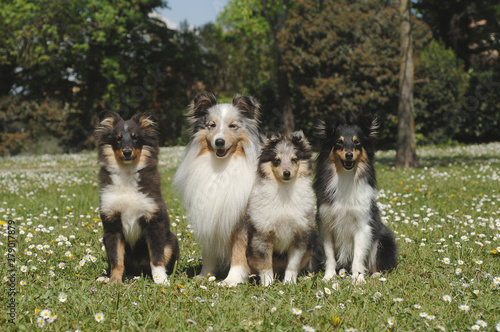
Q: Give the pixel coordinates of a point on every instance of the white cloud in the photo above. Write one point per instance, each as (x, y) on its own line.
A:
(170, 24)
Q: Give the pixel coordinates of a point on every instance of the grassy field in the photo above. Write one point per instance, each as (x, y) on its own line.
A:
(446, 216)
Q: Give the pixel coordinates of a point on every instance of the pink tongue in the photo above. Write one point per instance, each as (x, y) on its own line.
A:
(221, 152)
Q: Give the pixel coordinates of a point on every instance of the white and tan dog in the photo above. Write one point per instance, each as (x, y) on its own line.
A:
(281, 210)
(216, 177)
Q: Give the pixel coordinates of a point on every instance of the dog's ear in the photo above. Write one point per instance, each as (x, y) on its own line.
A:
(107, 120)
(270, 138)
(268, 152)
(369, 125)
(300, 141)
(198, 110)
(273, 137)
(249, 106)
(146, 120)
(297, 136)
(327, 126)
(201, 103)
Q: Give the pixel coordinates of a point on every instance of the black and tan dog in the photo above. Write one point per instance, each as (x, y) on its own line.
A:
(350, 229)
(134, 215)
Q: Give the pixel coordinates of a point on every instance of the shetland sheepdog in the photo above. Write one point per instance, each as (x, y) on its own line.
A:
(281, 209)
(137, 234)
(215, 178)
(350, 228)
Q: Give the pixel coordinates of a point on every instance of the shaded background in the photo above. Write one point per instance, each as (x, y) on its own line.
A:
(63, 61)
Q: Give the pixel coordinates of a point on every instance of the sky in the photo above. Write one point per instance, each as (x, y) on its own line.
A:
(196, 12)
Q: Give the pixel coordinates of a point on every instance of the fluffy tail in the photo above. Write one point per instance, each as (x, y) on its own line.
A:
(387, 251)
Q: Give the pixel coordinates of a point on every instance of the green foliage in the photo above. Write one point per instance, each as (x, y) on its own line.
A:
(96, 55)
(343, 56)
(452, 104)
(440, 86)
(25, 124)
(481, 107)
(471, 28)
(246, 55)
(90, 55)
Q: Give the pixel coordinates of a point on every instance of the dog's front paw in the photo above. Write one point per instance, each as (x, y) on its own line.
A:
(159, 275)
(329, 275)
(290, 277)
(161, 279)
(231, 282)
(237, 275)
(266, 277)
(358, 279)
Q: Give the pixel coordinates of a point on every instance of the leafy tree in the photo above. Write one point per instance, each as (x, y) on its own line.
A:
(276, 14)
(251, 30)
(341, 56)
(441, 83)
(472, 30)
(26, 123)
(468, 27)
(246, 54)
(96, 55)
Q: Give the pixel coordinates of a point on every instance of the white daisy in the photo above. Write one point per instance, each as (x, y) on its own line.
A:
(63, 297)
(464, 307)
(45, 313)
(40, 321)
(99, 317)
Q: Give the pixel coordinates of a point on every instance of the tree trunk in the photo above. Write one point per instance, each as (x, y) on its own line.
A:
(284, 95)
(406, 153)
(276, 23)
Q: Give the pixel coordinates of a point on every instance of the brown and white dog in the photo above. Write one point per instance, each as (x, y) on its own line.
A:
(216, 177)
(281, 209)
(137, 234)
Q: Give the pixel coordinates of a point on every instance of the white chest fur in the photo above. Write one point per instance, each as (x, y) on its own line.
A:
(123, 196)
(283, 209)
(215, 195)
(348, 214)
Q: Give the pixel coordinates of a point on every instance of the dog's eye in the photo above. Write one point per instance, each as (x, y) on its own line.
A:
(295, 160)
(339, 143)
(134, 137)
(212, 125)
(357, 143)
(119, 138)
(233, 126)
(277, 162)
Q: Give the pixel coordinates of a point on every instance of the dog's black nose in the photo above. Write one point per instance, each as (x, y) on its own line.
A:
(286, 174)
(219, 142)
(127, 153)
(349, 155)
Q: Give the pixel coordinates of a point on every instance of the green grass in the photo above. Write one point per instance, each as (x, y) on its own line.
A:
(446, 216)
